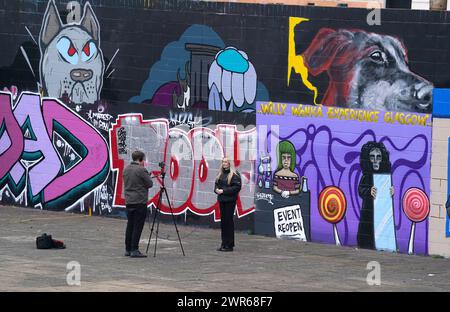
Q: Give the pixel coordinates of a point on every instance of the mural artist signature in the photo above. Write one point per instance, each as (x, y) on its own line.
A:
(100, 120)
(264, 196)
(188, 118)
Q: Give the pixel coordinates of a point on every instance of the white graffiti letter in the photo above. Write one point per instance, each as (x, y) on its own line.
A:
(74, 273)
(374, 276)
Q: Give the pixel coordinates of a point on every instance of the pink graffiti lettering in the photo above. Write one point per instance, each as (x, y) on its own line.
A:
(28, 110)
(97, 149)
(11, 139)
(27, 149)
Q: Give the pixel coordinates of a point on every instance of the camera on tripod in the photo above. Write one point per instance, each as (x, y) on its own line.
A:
(162, 165)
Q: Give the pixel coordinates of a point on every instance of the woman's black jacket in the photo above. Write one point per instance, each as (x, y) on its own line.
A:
(230, 191)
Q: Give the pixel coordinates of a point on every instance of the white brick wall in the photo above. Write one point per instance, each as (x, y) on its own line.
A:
(424, 5)
(438, 243)
(420, 4)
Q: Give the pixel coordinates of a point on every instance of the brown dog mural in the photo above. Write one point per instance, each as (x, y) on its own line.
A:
(366, 70)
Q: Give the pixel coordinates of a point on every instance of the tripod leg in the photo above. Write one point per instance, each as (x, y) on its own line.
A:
(151, 231)
(158, 207)
(173, 219)
(157, 231)
(153, 224)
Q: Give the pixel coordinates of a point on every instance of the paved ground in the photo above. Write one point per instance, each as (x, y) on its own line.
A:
(257, 264)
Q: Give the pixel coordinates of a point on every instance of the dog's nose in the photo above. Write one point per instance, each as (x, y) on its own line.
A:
(423, 94)
(81, 75)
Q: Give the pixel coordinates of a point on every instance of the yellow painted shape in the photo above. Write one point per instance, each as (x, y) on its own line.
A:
(295, 62)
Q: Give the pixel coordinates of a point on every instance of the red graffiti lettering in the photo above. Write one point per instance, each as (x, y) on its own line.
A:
(192, 161)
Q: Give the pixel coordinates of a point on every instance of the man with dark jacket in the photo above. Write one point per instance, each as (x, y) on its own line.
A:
(136, 181)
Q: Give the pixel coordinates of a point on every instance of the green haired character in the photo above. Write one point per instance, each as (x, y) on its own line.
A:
(285, 181)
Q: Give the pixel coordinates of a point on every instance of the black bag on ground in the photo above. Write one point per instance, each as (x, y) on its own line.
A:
(44, 241)
(47, 242)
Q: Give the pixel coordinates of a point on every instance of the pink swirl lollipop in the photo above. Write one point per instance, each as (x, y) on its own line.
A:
(416, 207)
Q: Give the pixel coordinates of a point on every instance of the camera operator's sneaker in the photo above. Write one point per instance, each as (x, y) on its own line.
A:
(137, 254)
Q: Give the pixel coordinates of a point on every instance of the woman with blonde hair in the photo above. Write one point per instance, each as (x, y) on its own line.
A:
(227, 187)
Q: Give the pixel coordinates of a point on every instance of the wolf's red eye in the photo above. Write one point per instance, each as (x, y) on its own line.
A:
(71, 50)
(87, 49)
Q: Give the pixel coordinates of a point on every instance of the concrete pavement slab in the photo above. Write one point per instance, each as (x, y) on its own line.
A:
(258, 263)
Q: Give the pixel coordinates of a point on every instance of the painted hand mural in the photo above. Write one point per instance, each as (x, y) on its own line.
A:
(216, 77)
(232, 80)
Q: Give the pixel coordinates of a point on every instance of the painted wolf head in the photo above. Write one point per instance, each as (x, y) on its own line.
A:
(71, 59)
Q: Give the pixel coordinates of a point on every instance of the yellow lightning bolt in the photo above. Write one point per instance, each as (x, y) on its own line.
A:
(295, 62)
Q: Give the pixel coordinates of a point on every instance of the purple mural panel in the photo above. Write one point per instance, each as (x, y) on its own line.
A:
(328, 143)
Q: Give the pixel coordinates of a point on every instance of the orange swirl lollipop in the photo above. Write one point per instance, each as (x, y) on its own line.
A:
(332, 204)
(332, 207)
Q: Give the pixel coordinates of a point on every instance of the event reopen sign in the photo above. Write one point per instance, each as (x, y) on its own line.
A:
(289, 223)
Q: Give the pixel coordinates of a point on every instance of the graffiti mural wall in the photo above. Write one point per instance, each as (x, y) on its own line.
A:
(83, 85)
(70, 122)
(349, 177)
(192, 160)
(184, 55)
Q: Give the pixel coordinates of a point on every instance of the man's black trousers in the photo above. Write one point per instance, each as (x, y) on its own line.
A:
(136, 214)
